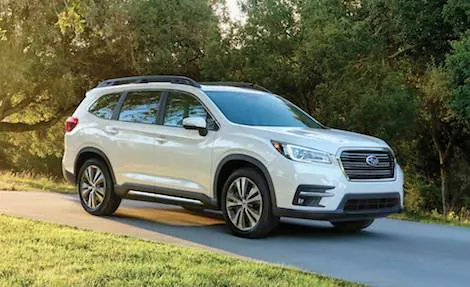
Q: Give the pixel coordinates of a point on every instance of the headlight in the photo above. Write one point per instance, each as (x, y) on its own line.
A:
(301, 154)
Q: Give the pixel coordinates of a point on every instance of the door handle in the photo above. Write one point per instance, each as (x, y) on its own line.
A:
(111, 130)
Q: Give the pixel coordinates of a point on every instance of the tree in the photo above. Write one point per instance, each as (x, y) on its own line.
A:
(360, 66)
(441, 122)
(265, 49)
(458, 64)
(52, 52)
(172, 37)
(30, 68)
(360, 87)
(457, 14)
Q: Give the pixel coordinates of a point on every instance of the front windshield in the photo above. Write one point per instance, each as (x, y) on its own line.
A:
(260, 109)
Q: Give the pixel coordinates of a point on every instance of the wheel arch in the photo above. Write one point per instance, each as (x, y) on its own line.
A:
(235, 161)
(88, 153)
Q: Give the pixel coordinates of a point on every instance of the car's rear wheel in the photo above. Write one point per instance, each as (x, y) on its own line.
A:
(352, 226)
(96, 188)
(246, 204)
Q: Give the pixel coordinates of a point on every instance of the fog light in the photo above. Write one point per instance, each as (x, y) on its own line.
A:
(311, 195)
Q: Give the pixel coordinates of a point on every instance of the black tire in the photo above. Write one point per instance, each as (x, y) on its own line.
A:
(111, 200)
(352, 226)
(267, 221)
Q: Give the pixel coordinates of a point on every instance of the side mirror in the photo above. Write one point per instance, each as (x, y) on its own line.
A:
(196, 123)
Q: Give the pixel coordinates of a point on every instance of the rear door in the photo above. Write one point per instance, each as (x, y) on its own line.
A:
(134, 132)
(183, 157)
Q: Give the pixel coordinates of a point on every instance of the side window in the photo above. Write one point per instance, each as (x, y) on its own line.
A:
(104, 106)
(181, 106)
(141, 107)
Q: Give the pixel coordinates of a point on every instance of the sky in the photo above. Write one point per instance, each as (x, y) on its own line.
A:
(234, 10)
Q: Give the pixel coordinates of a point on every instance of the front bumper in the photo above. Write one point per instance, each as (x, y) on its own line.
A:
(344, 215)
(287, 176)
(334, 215)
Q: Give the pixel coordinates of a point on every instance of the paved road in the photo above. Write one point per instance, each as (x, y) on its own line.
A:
(390, 253)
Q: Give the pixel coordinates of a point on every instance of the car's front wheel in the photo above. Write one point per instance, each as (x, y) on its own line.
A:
(246, 204)
(96, 189)
(352, 226)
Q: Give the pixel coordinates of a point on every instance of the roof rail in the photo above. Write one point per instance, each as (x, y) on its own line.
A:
(239, 85)
(149, 79)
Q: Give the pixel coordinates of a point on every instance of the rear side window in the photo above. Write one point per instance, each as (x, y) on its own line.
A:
(141, 107)
(104, 106)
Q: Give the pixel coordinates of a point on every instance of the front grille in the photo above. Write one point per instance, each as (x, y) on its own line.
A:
(356, 167)
(371, 203)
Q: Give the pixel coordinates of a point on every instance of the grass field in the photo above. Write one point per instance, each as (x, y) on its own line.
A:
(433, 217)
(29, 182)
(40, 254)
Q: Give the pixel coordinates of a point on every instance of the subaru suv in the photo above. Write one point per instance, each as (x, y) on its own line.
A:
(234, 147)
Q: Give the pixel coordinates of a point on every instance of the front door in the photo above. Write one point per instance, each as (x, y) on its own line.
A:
(183, 157)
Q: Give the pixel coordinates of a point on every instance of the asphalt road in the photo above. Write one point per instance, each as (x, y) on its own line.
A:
(390, 253)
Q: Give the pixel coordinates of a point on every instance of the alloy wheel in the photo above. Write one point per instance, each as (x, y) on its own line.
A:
(93, 187)
(244, 203)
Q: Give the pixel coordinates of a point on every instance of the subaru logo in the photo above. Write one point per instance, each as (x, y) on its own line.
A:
(372, 160)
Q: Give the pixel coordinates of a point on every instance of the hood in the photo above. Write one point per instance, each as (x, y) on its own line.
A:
(329, 140)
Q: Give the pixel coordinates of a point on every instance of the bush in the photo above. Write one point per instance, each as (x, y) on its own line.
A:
(420, 194)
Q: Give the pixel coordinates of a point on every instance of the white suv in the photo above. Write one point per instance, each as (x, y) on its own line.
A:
(233, 147)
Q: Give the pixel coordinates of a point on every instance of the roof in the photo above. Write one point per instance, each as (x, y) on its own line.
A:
(223, 88)
(182, 80)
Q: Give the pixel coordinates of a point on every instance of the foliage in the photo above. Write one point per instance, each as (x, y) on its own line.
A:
(459, 218)
(40, 254)
(421, 194)
(51, 52)
(458, 63)
(457, 14)
(396, 69)
(171, 36)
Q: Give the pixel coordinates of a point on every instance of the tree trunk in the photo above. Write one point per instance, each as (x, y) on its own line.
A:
(444, 188)
(26, 127)
(445, 152)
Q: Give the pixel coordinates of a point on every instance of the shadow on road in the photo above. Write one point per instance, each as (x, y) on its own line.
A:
(208, 228)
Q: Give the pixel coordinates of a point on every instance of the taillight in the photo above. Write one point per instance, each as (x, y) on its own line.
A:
(70, 124)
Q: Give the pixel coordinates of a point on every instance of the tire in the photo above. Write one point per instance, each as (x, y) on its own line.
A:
(98, 197)
(256, 219)
(352, 226)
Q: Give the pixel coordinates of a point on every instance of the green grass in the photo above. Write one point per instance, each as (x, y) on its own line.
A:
(41, 254)
(29, 182)
(434, 218)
